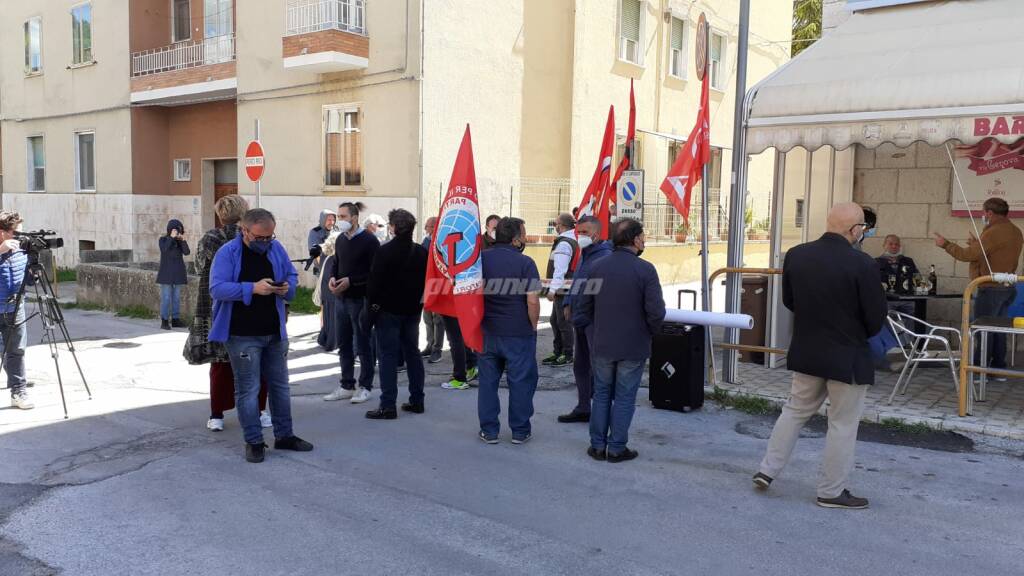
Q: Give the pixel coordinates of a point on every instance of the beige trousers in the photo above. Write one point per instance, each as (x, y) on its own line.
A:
(846, 402)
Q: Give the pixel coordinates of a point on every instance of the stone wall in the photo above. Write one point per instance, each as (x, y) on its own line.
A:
(911, 189)
(121, 285)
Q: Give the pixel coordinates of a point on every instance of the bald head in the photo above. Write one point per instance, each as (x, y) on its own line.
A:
(843, 217)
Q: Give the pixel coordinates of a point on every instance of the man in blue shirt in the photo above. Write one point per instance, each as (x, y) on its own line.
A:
(593, 251)
(250, 281)
(626, 312)
(511, 311)
(13, 332)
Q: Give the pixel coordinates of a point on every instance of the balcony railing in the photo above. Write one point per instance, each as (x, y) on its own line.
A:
(184, 55)
(305, 16)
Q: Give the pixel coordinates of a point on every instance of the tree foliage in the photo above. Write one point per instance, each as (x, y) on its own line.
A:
(806, 24)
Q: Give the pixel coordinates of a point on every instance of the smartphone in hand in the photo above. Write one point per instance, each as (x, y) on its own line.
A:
(278, 284)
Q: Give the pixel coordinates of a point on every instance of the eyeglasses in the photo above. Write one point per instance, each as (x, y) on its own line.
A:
(861, 224)
(270, 238)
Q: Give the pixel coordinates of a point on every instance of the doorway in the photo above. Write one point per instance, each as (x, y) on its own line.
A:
(220, 178)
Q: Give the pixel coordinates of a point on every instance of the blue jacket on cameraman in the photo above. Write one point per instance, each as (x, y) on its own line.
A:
(12, 273)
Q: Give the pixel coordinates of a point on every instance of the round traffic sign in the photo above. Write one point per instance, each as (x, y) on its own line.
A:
(254, 161)
(702, 46)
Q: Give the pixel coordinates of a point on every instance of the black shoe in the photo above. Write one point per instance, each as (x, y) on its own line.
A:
(550, 359)
(177, 323)
(844, 500)
(425, 353)
(521, 439)
(487, 439)
(165, 324)
(596, 454)
(401, 368)
(292, 443)
(382, 414)
(562, 360)
(623, 456)
(414, 408)
(574, 416)
(254, 452)
(762, 481)
(435, 357)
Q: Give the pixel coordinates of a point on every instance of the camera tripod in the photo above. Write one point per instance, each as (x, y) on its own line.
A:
(52, 318)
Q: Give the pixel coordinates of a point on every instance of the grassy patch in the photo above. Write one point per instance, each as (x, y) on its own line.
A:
(81, 306)
(67, 274)
(744, 403)
(140, 312)
(303, 302)
(897, 425)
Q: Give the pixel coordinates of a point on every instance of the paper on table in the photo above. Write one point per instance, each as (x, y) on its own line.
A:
(741, 321)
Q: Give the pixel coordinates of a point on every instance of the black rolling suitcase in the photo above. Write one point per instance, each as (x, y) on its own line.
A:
(677, 367)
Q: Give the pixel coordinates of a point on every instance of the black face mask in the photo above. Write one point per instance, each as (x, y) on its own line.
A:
(639, 253)
(521, 248)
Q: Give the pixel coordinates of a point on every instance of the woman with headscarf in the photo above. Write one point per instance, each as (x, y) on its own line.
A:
(322, 297)
(171, 277)
(198, 348)
(316, 238)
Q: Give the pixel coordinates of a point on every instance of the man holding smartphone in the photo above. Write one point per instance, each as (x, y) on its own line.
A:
(251, 279)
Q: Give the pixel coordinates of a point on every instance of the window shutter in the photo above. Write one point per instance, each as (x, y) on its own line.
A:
(631, 20)
(677, 34)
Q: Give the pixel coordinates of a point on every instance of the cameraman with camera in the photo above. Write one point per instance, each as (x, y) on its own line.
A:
(13, 331)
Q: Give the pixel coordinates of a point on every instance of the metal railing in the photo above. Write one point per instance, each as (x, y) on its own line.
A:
(305, 16)
(184, 55)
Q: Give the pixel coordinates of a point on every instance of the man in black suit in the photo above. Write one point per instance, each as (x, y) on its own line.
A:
(837, 303)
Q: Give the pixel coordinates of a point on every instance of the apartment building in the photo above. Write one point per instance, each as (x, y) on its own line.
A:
(118, 115)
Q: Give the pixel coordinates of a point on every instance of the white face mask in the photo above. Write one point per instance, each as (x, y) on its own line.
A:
(585, 241)
(491, 233)
(382, 235)
(985, 220)
(344, 226)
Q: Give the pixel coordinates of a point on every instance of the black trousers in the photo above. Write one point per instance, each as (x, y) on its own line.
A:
(561, 329)
(463, 357)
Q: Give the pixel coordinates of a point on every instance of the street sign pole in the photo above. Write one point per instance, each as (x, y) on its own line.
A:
(256, 137)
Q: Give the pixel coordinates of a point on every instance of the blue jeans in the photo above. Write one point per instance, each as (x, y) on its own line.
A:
(352, 340)
(399, 337)
(517, 354)
(170, 301)
(615, 385)
(14, 351)
(253, 357)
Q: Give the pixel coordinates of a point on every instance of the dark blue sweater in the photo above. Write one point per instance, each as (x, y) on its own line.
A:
(627, 310)
(353, 258)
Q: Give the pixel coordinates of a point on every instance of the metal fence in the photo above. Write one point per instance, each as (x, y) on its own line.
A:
(539, 200)
(305, 16)
(184, 55)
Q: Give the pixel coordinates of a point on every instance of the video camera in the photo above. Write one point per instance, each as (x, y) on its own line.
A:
(33, 242)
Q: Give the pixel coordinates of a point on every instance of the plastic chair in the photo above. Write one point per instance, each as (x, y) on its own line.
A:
(923, 348)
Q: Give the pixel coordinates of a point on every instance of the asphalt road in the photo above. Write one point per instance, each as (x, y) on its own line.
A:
(133, 484)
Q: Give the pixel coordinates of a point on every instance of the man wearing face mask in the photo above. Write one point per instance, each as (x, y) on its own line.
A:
(625, 313)
(1001, 240)
(375, 224)
(353, 257)
(870, 223)
(562, 263)
(837, 304)
(592, 251)
(250, 280)
(490, 224)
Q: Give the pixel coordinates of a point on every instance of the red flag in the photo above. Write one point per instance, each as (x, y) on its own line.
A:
(688, 167)
(455, 282)
(595, 199)
(627, 155)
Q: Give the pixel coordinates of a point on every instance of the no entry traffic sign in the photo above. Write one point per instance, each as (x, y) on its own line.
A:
(254, 161)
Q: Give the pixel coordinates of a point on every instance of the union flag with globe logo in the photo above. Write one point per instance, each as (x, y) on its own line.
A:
(454, 283)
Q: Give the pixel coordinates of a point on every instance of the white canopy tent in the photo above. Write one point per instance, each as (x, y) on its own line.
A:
(930, 71)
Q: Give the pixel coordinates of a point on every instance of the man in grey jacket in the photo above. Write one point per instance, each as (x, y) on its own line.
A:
(626, 312)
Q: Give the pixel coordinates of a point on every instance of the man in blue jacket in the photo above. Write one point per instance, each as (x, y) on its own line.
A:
(593, 251)
(250, 281)
(13, 332)
(626, 311)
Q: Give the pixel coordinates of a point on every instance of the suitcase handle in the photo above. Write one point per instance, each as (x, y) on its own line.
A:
(679, 301)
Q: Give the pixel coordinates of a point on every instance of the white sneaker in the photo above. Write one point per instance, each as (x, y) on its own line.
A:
(339, 394)
(361, 396)
(215, 424)
(21, 401)
(265, 420)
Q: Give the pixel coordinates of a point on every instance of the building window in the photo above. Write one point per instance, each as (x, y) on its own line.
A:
(181, 20)
(36, 164)
(715, 169)
(81, 34)
(183, 170)
(630, 31)
(85, 161)
(717, 64)
(343, 146)
(217, 18)
(677, 49)
(34, 46)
